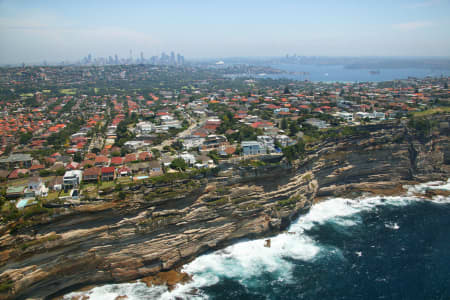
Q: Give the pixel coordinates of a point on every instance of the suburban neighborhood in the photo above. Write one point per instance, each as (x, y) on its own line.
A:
(65, 141)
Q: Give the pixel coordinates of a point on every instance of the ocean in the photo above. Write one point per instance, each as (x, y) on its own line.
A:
(334, 73)
(376, 247)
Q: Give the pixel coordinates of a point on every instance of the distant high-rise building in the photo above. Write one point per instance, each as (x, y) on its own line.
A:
(116, 59)
(172, 58)
(142, 57)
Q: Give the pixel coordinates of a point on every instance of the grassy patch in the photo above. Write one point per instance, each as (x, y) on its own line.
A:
(288, 202)
(106, 185)
(432, 111)
(52, 196)
(68, 91)
(219, 202)
(124, 180)
(240, 200)
(64, 194)
(6, 286)
(27, 95)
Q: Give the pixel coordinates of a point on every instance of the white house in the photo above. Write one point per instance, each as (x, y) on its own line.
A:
(188, 158)
(72, 179)
(317, 123)
(145, 127)
(345, 115)
(192, 142)
(266, 143)
(284, 140)
(252, 148)
(134, 145)
(36, 187)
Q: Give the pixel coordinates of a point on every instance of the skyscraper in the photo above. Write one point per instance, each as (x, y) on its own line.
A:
(172, 58)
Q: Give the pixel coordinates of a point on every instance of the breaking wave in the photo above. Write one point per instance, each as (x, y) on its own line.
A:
(246, 262)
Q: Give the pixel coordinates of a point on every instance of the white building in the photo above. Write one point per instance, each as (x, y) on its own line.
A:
(134, 145)
(252, 148)
(345, 115)
(284, 140)
(192, 142)
(188, 158)
(266, 143)
(145, 127)
(72, 179)
(317, 123)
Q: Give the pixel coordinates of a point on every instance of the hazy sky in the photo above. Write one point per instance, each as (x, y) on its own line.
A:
(55, 30)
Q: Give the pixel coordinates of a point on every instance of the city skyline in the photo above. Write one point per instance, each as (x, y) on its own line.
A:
(55, 31)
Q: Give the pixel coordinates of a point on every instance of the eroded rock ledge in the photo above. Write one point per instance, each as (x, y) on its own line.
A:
(160, 228)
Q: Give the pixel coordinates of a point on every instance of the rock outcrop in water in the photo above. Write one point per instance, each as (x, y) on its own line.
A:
(159, 228)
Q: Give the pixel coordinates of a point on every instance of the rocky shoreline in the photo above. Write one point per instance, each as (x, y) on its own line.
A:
(158, 229)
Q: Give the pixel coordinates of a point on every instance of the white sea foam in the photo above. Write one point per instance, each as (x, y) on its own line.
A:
(392, 225)
(133, 291)
(247, 260)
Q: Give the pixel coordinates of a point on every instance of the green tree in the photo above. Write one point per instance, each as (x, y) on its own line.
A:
(178, 164)
(77, 157)
(284, 124)
(25, 138)
(294, 129)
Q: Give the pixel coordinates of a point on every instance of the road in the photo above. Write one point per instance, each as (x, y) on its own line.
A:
(179, 135)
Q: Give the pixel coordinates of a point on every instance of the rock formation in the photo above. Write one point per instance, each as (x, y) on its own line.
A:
(158, 228)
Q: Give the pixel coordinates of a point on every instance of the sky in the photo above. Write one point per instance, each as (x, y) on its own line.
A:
(32, 31)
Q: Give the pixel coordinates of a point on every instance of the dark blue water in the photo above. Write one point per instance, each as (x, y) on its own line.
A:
(333, 73)
(371, 248)
(377, 262)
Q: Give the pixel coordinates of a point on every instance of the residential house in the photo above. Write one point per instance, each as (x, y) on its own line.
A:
(266, 143)
(108, 173)
(345, 115)
(143, 156)
(16, 160)
(116, 161)
(144, 128)
(14, 192)
(155, 167)
(252, 148)
(91, 174)
(36, 187)
(317, 123)
(36, 168)
(284, 140)
(124, 171)
(192, 142)
(17, 173)
(101, 160)
(134, 145)
(130, 158)
(188, 158)
(56, 183)
(72, 179)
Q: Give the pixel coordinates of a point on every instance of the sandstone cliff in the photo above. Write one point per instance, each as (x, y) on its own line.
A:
(158, 228)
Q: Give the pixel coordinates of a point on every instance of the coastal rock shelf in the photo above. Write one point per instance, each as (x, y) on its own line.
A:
(155, 230)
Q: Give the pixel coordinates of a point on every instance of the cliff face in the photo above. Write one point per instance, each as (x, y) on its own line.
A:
(162, 227)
